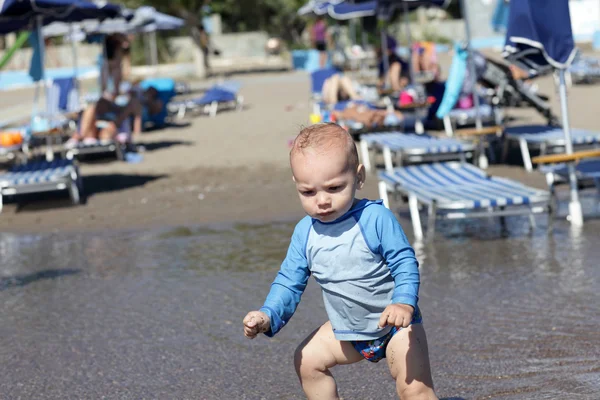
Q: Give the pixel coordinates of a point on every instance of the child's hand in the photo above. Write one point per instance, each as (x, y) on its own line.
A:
(398, 315)
(256, 322)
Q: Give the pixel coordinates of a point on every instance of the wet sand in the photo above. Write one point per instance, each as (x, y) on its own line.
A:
(140, 292)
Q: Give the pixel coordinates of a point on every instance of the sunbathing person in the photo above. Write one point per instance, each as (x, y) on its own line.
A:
(338, 88)
(361, 114)
(113, 117)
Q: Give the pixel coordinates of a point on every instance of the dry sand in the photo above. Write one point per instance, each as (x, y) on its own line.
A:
(230, 168)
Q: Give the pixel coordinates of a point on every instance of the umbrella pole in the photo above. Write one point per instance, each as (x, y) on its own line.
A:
(471, 64)
(74, 51)
(36, 97)
(384, 58)
(575, 211)
(154, 48)
(408, 42)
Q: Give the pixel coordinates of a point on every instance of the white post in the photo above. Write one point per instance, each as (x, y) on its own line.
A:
(575, 211)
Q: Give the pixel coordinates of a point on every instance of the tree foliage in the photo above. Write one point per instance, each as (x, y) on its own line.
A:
(277, 17)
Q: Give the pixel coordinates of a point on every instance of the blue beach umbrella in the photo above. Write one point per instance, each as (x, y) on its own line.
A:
(349, 10)
(18, 15)
(539, 36)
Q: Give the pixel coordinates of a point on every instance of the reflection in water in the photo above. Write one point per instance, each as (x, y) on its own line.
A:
(508, 314)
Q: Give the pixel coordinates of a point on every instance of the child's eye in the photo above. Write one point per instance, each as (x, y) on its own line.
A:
(335, 188)
(307, 192)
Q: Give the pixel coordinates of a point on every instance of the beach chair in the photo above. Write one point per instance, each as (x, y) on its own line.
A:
(218, 97)
(455, 190)
(454, 117)
(585, 70)
(497, 77)
(411, 148)
(546, 140)
(62, 97)
(42, 176)
(586, 167)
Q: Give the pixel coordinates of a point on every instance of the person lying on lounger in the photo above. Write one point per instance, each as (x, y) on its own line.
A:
(361, 114)
(338, 88)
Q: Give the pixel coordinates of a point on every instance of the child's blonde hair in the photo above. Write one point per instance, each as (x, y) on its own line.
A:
(325, 136)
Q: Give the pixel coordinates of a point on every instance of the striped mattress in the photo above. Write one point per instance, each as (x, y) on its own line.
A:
(589, 169)
(37, 173)
(550, 134)
(461, 186)
(413, 143)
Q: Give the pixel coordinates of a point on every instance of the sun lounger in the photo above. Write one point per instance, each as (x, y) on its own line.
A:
(410, 148)
(89, 147)
(546, 139)
(459, 190)
(587, 173)
(42, 176)
(585, 70)
(218, 97)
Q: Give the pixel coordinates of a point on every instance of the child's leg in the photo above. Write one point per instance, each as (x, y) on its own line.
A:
(313, 358)
(408, 359)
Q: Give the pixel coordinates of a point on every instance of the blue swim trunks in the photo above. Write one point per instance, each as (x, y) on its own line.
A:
(374, 350)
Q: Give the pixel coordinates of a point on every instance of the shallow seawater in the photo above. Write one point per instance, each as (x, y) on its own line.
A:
(157, 314)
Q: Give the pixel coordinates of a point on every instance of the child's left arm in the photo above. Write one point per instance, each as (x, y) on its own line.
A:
(393, 245)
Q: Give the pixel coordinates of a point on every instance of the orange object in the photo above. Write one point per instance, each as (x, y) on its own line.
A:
(5, 139)
(10, 138)
(16, 138)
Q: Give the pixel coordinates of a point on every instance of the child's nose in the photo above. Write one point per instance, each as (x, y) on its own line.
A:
(323, 200)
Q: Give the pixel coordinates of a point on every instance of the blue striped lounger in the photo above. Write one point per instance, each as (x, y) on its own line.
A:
(42, 176)
(585, 170)
(413, 148)
(219, 96)
(464, 117)
(546, 139)
(455, 190)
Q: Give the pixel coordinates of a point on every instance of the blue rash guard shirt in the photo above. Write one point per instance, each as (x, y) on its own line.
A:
(363, 263)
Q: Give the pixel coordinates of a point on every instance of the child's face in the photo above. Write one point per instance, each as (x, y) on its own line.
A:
(325, 183)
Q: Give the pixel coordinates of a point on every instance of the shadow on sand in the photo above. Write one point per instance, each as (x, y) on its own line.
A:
(24, 280)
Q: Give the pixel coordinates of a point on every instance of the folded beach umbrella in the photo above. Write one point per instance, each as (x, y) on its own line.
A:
(163, 22)
(18, 15)
(539, 36)
(317, 7)
(348, 10)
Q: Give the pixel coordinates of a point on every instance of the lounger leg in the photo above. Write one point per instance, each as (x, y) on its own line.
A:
(383, 194)
(413, 205)
(419, 128)
(240, 103)
(505, 148)
(432, 211)
(364, 153)
(387, 159)
(448, 126)
(525, 154)
(181, 111)
(0, 201)
(532, 224)
(482, 160)
(214, 106)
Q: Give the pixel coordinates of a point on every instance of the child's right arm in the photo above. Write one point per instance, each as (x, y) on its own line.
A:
(287, 289)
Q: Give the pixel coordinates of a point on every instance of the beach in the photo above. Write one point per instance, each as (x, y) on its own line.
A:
(140, 292)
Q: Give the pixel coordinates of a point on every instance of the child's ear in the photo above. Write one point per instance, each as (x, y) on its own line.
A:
(294, 178)
(361, 176)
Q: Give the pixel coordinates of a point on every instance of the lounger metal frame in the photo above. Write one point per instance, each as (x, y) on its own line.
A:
(444, 208)
(40, 179)
(432, 150)
(548, 146)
